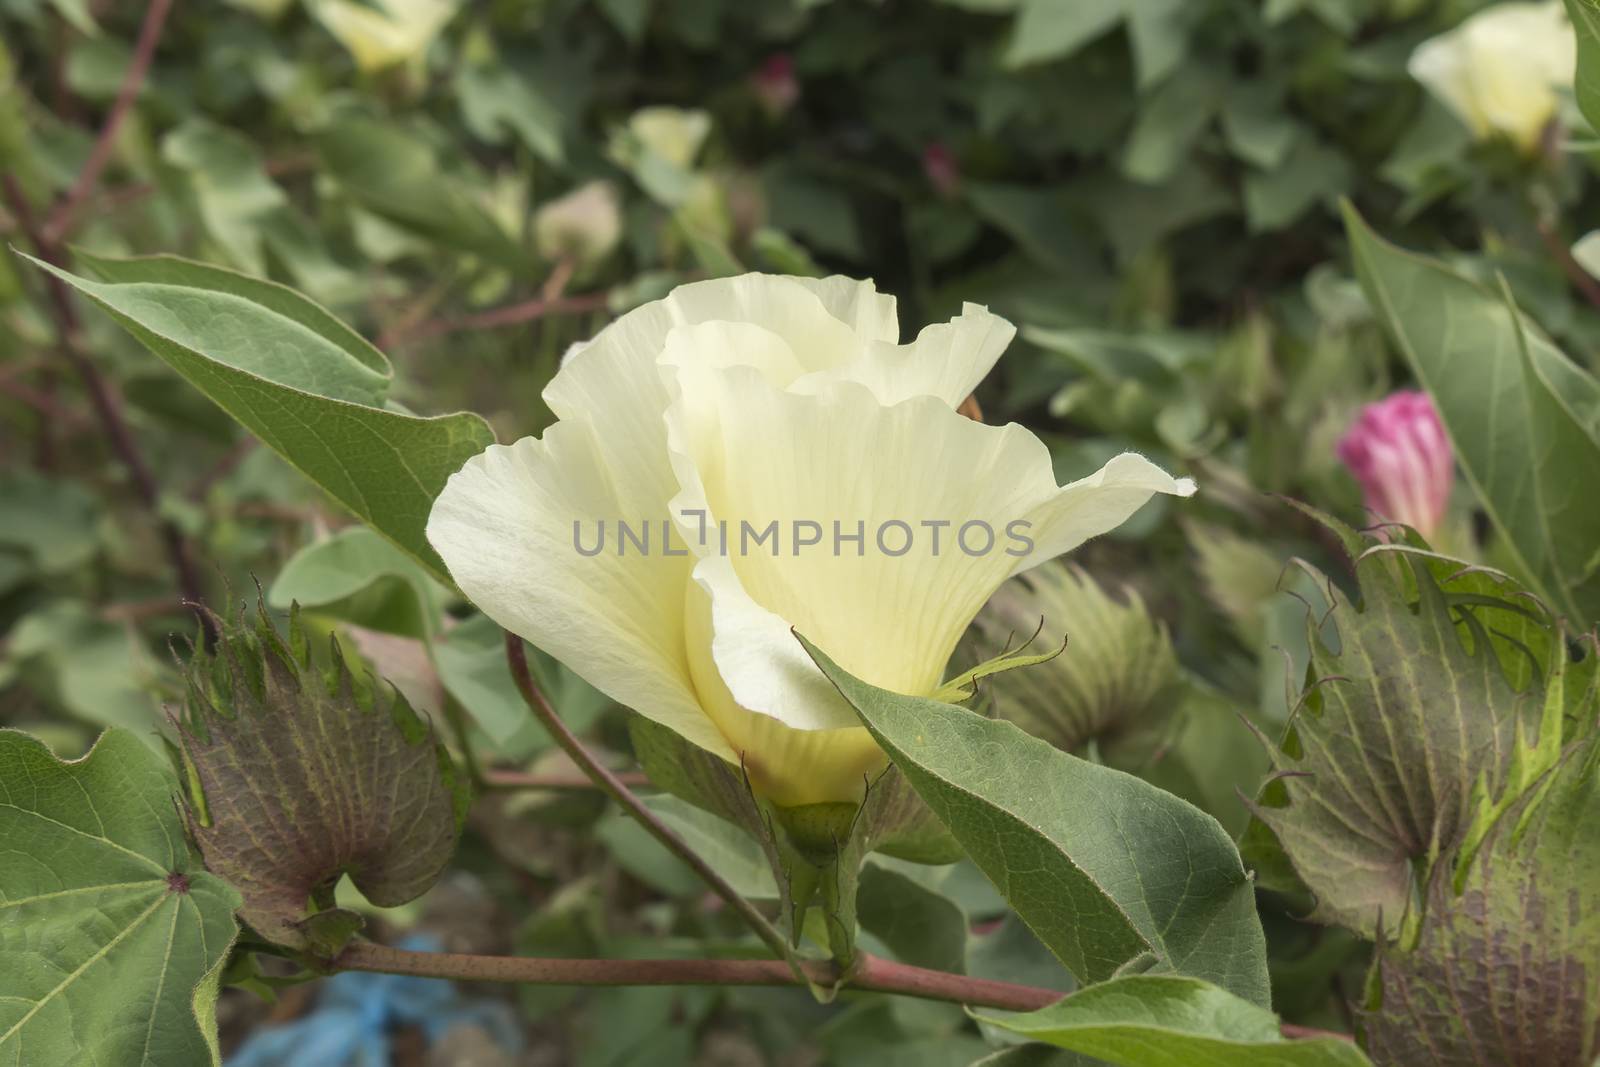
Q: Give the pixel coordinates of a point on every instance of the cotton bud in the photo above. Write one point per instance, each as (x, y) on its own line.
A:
(1397, 449)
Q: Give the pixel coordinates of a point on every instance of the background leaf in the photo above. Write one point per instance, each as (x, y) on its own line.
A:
(305, 384)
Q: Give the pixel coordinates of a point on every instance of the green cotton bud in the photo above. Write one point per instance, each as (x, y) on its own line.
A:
(298, 775)
(1110, 678)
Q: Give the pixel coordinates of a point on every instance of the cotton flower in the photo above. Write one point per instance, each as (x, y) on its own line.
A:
(1502, 71)
(585, 224)
(781, 461)
(385, 32)
(1398, 451)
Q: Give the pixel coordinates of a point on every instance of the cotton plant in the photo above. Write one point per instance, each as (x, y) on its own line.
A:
(1503, 71)
(762, 523)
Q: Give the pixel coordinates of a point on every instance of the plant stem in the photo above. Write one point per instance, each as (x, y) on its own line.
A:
(144, 50)
(106, 401)
(614, 787)
(1580, 278)
(511, 315)
(871, 973)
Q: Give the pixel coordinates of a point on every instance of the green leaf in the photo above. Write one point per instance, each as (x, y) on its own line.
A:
(303, 382)
(471, 660)
(496, 100)
(1313, 172)
(1049, 29)
(398, 177)
(1106, 869)
(918, 924)
(357, 576)
(300, 776)
(109, 929)
(1170, 1021)
(728, 849)
(1523, 417)
(1170, 122)
(1586, 85)
(98, 670)
(232, 192)
(52, 521)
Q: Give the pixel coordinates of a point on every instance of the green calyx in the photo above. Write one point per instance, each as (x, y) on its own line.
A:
(815, 851)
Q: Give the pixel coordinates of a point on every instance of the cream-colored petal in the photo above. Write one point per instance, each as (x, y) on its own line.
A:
(890, 609)
(781, 305)
(618, 365)
(1440, 64)
(711, 346)
(789, 766)
(947, 360)
(1518, 55)
(859, 305)
(1501, 71)
(1091, 506)
(504, 527)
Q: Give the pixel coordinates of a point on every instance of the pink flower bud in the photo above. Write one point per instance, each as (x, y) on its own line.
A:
(939, 164)
(1398, 451)
(775, 84)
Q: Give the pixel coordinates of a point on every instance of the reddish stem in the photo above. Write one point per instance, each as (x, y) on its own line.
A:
(510, 315)
(871, 973)
(1580, 278)
(144, 50)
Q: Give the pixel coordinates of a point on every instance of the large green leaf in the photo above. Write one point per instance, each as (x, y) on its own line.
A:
(108, 927)
(1171, 1021)
(1106, 869)
(1524, 419)
(299, 379)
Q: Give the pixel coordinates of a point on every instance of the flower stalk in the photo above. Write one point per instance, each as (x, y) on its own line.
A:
(613, 786)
